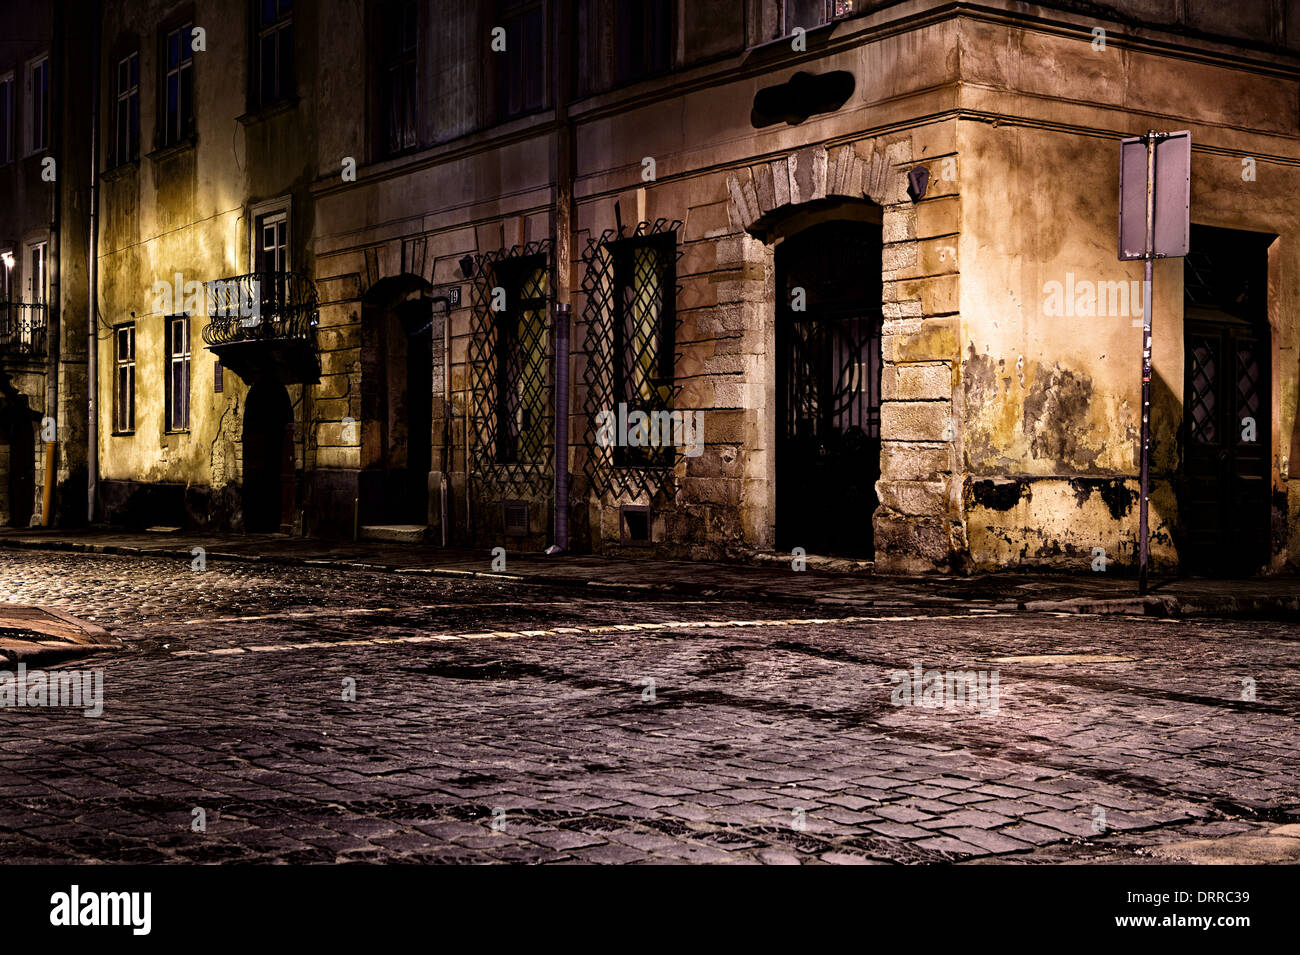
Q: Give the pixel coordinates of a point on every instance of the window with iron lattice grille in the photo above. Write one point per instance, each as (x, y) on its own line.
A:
(644, 330)
(519, 353)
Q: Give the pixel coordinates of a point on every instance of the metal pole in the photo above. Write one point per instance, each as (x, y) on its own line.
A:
(92, 279)
(1147, 303)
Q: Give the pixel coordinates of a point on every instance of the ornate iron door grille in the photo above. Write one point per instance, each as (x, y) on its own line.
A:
(829, 365)
(512, 416)
(1225, 501)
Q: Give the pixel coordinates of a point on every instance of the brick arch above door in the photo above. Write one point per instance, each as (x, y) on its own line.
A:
(760, 191)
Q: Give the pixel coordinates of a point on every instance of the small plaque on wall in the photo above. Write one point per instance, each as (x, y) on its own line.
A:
(217, 378)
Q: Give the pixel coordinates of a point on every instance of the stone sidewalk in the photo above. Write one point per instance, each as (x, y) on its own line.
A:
(837, 582)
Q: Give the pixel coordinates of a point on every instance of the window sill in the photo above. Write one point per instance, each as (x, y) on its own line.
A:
(127, 168)
(164, 153)
(124, 434)
(263, 113)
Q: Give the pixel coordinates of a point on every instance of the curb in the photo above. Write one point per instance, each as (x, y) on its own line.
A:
(1280, 608)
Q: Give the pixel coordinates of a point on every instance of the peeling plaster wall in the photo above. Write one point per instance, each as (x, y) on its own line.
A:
(1049, 437)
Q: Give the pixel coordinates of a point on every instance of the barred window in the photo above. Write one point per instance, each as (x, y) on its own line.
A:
(645, 323)
(178, 373)
(520, 362)
(124, 379)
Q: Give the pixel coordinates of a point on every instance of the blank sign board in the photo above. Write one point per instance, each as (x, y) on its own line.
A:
(1173, 194)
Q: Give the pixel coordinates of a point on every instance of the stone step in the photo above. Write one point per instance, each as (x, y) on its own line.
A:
(397, 533)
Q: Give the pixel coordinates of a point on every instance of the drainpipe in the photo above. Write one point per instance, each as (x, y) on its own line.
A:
(59, 79)
(443, 485)
(92, 278)
(562, 216)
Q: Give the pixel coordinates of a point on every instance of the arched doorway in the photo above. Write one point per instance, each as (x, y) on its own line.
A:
(397, 401)
(1225, 504)
(268, 460)
(828, 324)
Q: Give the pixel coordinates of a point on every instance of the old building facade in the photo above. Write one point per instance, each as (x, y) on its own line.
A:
(44, 203)
(822, 275)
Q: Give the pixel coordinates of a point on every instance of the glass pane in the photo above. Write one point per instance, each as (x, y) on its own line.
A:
(173, 48)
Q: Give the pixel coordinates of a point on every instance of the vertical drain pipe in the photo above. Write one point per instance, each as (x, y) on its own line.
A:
(92, 279)
(562, 168)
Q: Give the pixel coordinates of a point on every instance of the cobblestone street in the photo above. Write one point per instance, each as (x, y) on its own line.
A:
(515, 722)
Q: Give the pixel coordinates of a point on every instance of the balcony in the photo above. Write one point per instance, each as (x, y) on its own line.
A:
(22, 331)
(263, 326)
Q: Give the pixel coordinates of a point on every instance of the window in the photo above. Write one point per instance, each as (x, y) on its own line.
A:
(124, 379)
(35, 269)
(812, 13)
(398, 75)
(126, 110)
(521, 73)
(644, 29)
(271, 249)
(7, 263)
(178, 86)
(520, 353)
(6, 119)
(645, 323)
(273, 75)
(38, 105)
(178, 373)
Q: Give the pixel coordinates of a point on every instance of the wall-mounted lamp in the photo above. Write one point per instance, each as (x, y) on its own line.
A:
(918, 181)
(467, 266)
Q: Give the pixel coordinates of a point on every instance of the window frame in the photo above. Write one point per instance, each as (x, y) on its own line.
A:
(123, 366)
(273, 209)
(624, 44)
(624, 273)
(128, 98)
(6, 274)
(33, 112)
(186, 121)
(173, 361)
(388, 141)
(512, 275)
(832, 11)
(285, 78)
(512, 14)
(29, 268)
(8, 126)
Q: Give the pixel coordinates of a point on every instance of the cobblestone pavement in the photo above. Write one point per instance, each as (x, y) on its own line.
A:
(511, 722)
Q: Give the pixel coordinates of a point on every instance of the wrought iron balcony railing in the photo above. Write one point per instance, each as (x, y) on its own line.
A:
(262, 306)
(22, 329)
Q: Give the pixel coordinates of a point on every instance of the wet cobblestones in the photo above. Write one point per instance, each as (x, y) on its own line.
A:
(771, 744)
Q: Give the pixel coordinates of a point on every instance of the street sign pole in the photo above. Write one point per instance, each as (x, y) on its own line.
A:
(1154, 223)
(1147, 303)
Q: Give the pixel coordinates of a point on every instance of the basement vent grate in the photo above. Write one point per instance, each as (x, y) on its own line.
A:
(515, 517)
(635, 519)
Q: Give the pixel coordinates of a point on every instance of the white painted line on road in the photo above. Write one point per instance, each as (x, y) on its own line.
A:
(567, 631)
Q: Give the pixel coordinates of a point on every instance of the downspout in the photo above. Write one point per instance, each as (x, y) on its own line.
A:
(443, 484)
(92, 278)
(59, 81)
(561, 244)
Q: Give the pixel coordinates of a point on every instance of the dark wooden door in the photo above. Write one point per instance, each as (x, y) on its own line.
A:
(1226, 444)
(828, 388)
